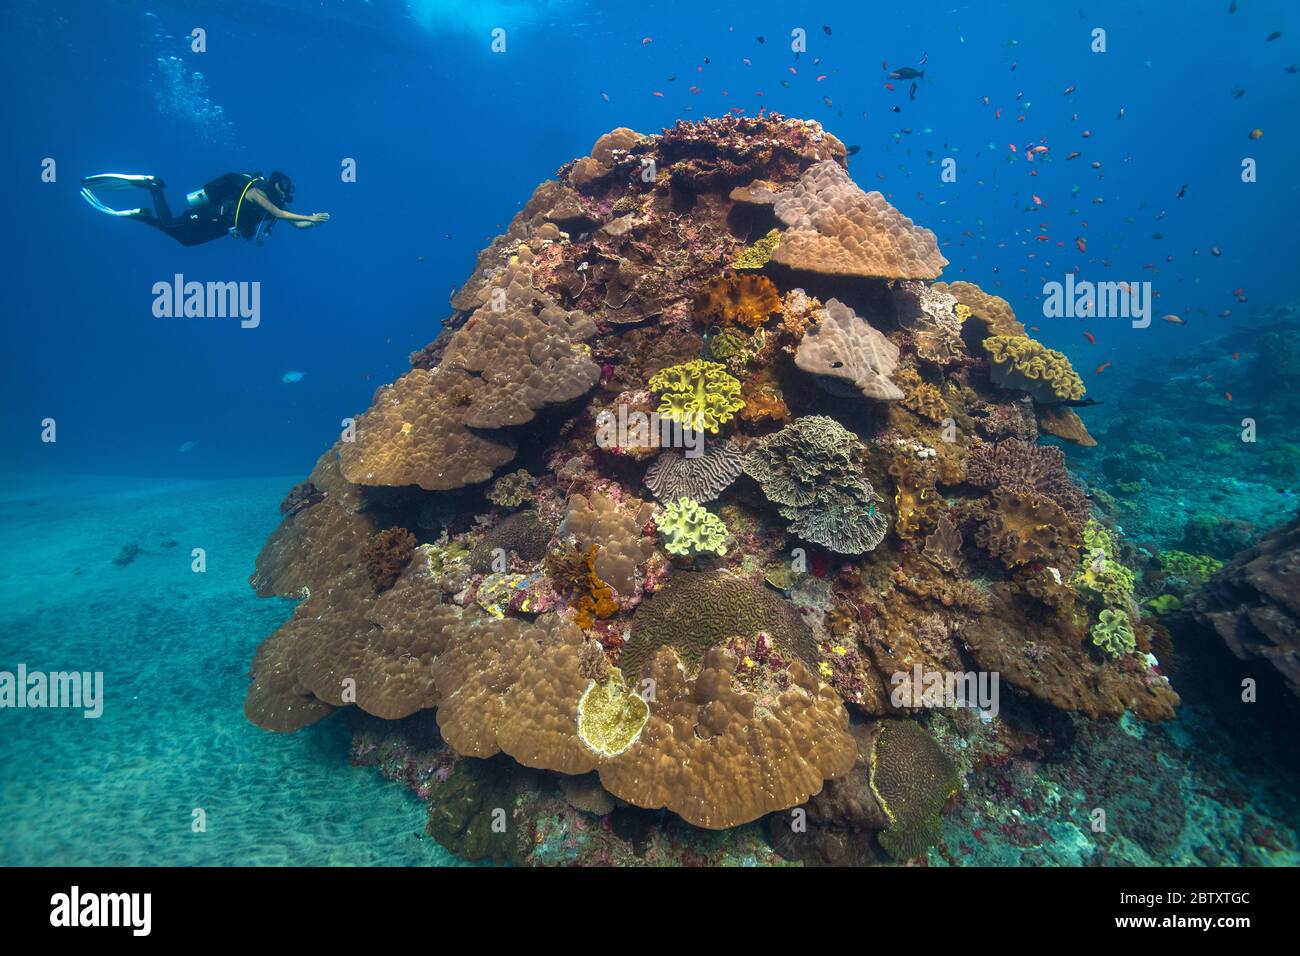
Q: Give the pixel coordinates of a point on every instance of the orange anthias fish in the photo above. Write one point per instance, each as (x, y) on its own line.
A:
(1228, 395)
(1083, 246)
(1092, 339)
(1174, 320)
(1236, 356)
(1102, 367)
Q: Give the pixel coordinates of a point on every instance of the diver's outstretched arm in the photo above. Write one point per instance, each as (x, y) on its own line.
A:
(302, 222)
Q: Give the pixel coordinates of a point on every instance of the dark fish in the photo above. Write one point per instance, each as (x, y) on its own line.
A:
(1272, 36)
(907, 73)
(1232, 7)
(826, 30)
(911, 92)
(1080, 402)
(1292, 68)
(895, 109)
(1183, 191)
(854, 150)
(1238, 92)
(760, 40)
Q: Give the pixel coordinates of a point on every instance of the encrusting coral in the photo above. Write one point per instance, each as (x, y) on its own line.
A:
(550, 615)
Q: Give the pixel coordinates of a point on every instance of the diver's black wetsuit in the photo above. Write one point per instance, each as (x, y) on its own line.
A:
(212, 218)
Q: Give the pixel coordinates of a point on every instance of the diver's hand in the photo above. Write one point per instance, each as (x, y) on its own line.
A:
(319, 217)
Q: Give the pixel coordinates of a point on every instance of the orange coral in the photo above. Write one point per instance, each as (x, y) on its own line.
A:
(576, 572)
(748, 300)
(763, 398)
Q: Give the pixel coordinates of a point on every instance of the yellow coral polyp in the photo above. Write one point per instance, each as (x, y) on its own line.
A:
(610, 716)
(701, 395)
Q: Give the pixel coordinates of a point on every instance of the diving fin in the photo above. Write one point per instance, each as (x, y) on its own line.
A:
(95, 203)
(122, 181)
(110, 181)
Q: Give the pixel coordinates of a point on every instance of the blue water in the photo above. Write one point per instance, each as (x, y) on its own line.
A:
(184, 430)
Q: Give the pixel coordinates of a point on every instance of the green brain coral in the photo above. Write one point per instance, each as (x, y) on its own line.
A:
(757, 255)
(1113, 633)
(610, 716)
(911, 779)
(690, 529)
(697, 610)
(699, 394)
(1022, 363)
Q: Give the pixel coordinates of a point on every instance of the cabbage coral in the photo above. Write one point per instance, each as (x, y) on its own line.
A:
(814, 471)
(1101, 573)
(1030, 366)
(1113, 633)
(1195, 568)
(691, 529)
(699, 394)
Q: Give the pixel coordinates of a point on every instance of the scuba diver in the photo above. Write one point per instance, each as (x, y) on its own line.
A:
(242, 205)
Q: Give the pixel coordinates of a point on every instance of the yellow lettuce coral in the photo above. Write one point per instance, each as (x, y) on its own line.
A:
(699, 394)
(1030, 366)
(690, 529)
